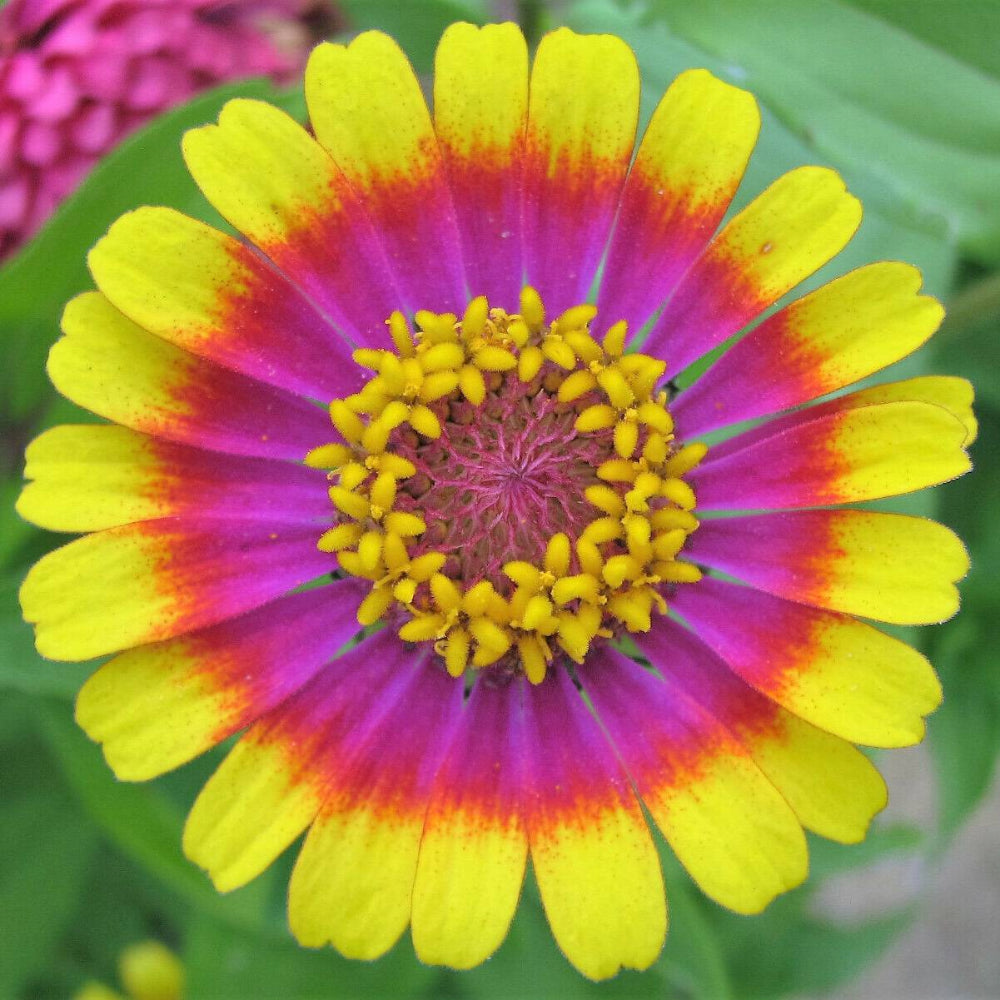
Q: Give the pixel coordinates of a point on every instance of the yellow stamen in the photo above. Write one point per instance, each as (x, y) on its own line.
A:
(582, 589)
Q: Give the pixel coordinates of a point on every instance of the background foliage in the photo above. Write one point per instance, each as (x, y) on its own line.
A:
(904, 100)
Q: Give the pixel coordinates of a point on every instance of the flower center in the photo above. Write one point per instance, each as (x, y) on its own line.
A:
(512, 488)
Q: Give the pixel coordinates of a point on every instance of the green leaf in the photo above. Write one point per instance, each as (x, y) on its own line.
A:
(47, 848)
(965, 730)
(13, 530)
(693, 959)
(968, 30)
(120, 905)
(779, 954)
(227, 964)
(140, 821)
(21, 668)
(873, 98)
(530, 966)
(828, 858)
(417, 27)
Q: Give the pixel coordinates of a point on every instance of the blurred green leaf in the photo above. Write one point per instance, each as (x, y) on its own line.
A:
(784, 951)
(919, 124)
(140, 820)
(530, 966)
(969, 341)
(968, 30)
(224, 964)
(712, 953)
(13, 530)
(965, 730)
(828, 858)
(119, 906)
(693, 959)
(47, 847)
(417, 33)
(21, 668)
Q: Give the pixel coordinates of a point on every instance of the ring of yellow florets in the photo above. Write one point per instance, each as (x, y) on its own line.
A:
(605, 580)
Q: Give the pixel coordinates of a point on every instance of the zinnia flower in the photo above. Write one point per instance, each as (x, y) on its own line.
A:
(77, 76)
(572, 608)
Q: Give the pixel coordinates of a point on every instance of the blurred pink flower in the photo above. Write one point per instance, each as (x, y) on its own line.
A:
(76, 76)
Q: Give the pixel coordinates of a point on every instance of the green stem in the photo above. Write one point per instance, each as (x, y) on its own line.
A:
(975, 305)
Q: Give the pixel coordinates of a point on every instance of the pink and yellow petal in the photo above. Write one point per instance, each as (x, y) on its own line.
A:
(591, 850)
(582, 116)
(828, 668)
(269, 178)
(888, 567)
(273, 783)
(117, 370)
(213, 296)
(353, 882)
(255, 804)
(727, 824)
(685, 174)
(842, 454)
(480, 115)
(785, 234)
(842, 332)
(91, 477)
(369, 114)
(833, 789)
(947, 391)
(474, 846)
(158, 579)
(158, 706)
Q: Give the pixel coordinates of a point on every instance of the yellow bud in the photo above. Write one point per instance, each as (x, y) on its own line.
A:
(557, 554)
(531, 308)
(346, 421)
(438, 384)
(474, 320)
(597, 418)
(575, 385)
(470, 381)
(494, 359)
(576, 317)
(424, 421)
(614, 339)
(606, 499)
(446, 595)
(422, 628)
(150, 971)
(529, 363)
(626, 438)
(424, 567)
(529, 649)
(456, 656)
(343, 536)
(441, 357)
(371, 609)
(559, 352)
(370, 549)
(352, 504)
(402, 338)
(404, 524)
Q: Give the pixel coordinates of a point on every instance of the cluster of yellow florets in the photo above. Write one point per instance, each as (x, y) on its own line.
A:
(581, 589)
